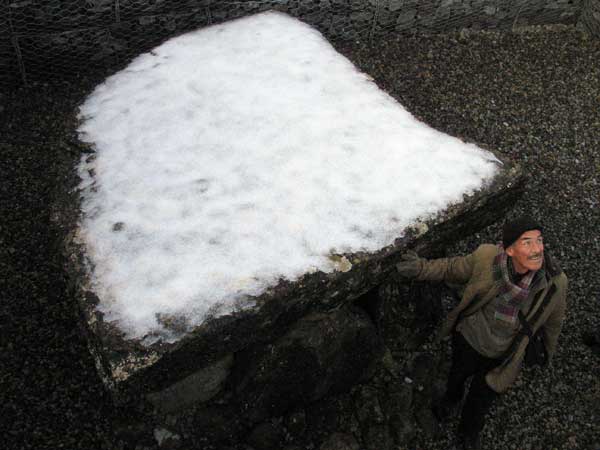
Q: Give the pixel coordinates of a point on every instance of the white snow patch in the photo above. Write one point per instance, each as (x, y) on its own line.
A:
(242, 153)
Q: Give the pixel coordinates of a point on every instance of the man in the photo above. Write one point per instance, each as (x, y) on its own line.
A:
(497, 281)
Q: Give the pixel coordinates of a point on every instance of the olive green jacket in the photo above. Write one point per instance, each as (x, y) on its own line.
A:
(475, 276)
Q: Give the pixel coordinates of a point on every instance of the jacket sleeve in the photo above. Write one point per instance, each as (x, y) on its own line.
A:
(456, 270)
(554, 323)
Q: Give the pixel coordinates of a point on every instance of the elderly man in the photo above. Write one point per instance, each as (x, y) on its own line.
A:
(509, 291)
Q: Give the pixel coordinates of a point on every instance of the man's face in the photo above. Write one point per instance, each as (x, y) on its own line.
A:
(527, 252)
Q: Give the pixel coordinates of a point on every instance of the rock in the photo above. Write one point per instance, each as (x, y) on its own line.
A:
(340, 441)
(361, 16)
(166, 439)
(217, 424)
(372, 420)
(296, 422)
(134, 432)
(428, 422)
(322, 353)
(400, 398)
(332, 414)
(398, 407)
(403, 429)
(428, 308)
(266, 436)
(198, 387)
(378, 437)
(406, 19)
(424, 370)
(368, 408)
(390, 364)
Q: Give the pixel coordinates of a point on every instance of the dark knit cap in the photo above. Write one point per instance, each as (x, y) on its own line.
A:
(513, 229)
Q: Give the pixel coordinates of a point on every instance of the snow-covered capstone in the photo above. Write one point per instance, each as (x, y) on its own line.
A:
(240, 183)
(232, 157)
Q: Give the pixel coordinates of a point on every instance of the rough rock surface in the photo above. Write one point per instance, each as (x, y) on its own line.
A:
(340, 441)
(532, 95)
(199, 387)
(322, 353)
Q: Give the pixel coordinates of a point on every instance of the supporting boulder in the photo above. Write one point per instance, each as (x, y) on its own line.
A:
(322, 353)
(198, 387)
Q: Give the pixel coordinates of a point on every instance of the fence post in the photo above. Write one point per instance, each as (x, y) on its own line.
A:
(15, 42)
(521, 6)
(374, 24)
(117, 11)
(14, 39)
(208, 15)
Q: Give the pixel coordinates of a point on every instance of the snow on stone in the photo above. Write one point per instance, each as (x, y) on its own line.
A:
(242, 153)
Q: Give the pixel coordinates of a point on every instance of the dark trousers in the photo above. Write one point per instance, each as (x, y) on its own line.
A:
(466, 362)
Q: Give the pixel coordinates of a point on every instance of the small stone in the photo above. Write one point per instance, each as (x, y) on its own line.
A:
(340, 441)
(266, 436)
(118, 226)
(166, 439)
(296, 422)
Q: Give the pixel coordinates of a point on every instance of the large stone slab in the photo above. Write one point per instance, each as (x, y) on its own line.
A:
(128, 366)
(197, 248)
(322, 353)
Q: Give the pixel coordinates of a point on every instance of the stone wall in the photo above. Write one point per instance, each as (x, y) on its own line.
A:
(590, 17)
(52, 41)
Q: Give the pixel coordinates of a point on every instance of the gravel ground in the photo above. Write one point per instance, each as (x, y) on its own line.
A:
(532, 95)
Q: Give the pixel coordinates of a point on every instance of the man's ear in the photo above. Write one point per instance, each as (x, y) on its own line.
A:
(510, 251)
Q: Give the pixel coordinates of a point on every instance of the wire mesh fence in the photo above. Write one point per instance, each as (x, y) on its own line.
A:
(59, 40)
(590, 17)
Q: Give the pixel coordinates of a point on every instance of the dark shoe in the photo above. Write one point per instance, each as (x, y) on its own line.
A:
(471, 442)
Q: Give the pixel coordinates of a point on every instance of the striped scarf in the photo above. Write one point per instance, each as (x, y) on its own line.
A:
(510, 295)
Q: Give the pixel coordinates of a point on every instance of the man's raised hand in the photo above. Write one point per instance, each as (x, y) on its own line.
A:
(410, 266)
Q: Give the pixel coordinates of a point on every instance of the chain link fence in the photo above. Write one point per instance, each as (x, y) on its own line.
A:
(52, 41)
(590, 17)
